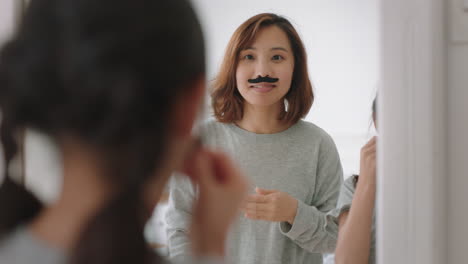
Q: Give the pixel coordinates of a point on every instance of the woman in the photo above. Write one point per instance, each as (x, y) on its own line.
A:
(259, 97)
(356, 239)
(116, 84)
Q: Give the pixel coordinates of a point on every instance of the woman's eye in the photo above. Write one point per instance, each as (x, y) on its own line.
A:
(277, 57)
(248, 57)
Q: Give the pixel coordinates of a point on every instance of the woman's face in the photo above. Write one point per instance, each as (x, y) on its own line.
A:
(270, 55)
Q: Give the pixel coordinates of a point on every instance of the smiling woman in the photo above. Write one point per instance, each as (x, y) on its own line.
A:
(270, 56)
(259, 98)
(266, 45)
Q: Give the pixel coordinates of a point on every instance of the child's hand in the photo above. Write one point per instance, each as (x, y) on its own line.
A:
(368, 163)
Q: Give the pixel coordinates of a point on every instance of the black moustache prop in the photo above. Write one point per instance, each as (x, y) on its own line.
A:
(263, 79)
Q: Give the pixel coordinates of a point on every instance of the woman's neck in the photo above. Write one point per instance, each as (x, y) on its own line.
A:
(263, 119)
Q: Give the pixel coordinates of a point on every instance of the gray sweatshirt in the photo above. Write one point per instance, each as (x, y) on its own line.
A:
(301, 161)
(23, 247)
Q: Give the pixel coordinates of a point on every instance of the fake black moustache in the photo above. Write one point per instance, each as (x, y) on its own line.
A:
(263, 79)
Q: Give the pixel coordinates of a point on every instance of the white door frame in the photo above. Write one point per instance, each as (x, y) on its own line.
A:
(411, 192)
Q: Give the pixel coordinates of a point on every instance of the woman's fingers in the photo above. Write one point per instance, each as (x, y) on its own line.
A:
(257, 216)
(189, 163)
(224, 170)
(256, 198)
(254, 207)
(204, 173)
(211, 168)
(370, 147)
(371, 142)
(222, 190)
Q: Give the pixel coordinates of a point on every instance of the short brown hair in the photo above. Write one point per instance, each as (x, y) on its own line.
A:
(228, 103)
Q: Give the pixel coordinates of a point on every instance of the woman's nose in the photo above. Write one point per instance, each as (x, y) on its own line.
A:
(263, 69)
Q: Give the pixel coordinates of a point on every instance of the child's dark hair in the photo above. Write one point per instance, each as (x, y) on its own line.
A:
(106, 72)
(374, 109)
(374, 118)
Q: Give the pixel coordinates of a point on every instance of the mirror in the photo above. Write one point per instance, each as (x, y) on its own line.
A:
(341, 41)
(342, 44)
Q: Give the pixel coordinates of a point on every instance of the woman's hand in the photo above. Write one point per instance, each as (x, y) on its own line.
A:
(355, 226)
(367, 173)
(222, 189)
(271, 205)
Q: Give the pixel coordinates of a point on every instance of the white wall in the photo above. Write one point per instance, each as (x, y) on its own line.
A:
(7, 18)
(457, 176)
(341, 39)
(423, 194)
(458, 154)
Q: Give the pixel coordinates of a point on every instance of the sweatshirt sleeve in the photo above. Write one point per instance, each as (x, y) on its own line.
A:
(178, 217)
(313, 229)
(344, 200)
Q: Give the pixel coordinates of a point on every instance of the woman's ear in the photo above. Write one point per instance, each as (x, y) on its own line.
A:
(188, 106)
